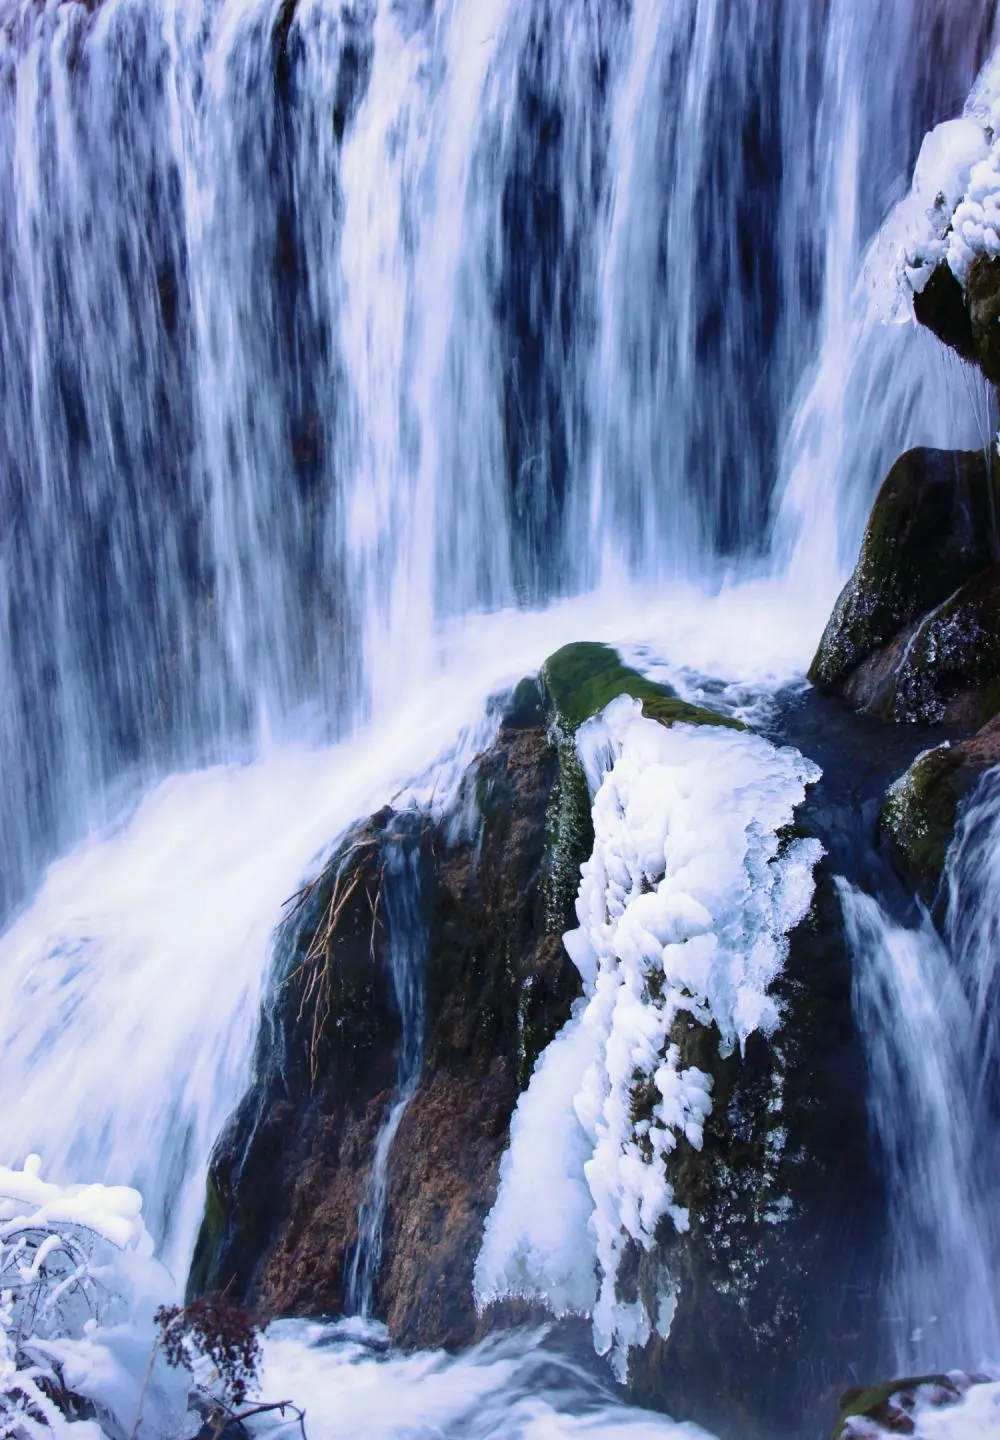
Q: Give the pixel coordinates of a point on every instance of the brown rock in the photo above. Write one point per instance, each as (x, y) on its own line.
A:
(293, 1167)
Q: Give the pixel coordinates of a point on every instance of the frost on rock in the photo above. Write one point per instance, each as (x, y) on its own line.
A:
(685, 905)
(952, 213)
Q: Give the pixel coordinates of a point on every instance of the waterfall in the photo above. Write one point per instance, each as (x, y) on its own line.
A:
(355, 355)
(926, 1010)
(407, 957)
(918, 1027)
(323, 324)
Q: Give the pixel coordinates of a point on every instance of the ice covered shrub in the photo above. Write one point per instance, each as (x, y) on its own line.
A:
(77, 1293)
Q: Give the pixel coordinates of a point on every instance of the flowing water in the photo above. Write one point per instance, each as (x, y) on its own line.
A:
(920, 1028)
(337, 342)
(407, 959)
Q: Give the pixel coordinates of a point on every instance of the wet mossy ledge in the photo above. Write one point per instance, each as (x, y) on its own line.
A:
(581, 679)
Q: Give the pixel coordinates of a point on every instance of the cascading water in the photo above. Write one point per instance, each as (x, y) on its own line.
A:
(407, 958)
(325, 326)
(920, 1030)
(323, 323)
(926, 1007)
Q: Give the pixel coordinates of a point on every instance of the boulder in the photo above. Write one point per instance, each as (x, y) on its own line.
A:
(944, 668)
(931, 531)
(496, 879)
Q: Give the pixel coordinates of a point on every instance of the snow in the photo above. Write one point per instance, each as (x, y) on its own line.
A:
(684, 906)
(111, 1211)
(952, 213)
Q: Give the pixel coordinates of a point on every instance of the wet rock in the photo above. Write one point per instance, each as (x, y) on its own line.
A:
(941, 307)
(292, 1169)
(932, 530)
(921, 809)
(947, 667)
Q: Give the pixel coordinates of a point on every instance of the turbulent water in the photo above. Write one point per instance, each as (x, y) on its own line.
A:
(336, 342)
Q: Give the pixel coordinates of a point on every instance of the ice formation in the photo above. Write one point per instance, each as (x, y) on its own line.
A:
(952, 213)
(685, 905)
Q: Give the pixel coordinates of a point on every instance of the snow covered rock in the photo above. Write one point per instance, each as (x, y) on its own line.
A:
(667, 1158)
(943, 239)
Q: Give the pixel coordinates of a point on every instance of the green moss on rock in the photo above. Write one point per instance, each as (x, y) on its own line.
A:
(571, 838)
(582, 678)
(930, 531)
(919, 816)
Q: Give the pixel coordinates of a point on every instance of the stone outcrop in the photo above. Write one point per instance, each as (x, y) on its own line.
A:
(784, 1163)
(768, 1290)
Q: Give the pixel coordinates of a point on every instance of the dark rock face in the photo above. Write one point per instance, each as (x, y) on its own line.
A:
(932, 529)
(771, 1274)
(966, 320)
(948, 665)
(290, 1172)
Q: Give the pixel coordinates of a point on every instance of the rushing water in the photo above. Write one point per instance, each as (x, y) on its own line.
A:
(927, 1011)
(332, 335)
(404, 913)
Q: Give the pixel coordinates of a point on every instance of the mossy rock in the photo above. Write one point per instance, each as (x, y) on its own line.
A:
(582, 678)
(887, 1405)
(931, 530)
(920, 814)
